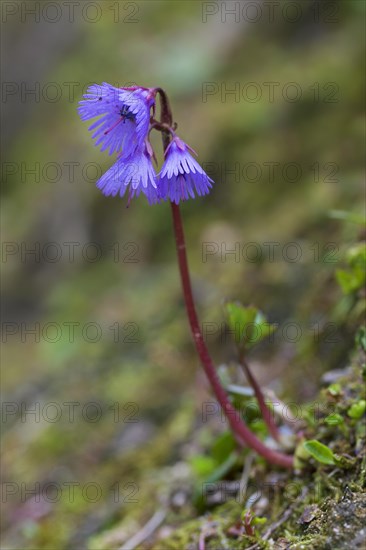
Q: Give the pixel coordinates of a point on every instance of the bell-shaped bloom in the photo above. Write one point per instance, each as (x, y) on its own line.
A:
(181, 176)
(123, 116)
(122, 126)
(135, 172)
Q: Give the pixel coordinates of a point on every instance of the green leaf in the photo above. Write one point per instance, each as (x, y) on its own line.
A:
(203, 465)
(223, 446)
(361, 338)
(260, 329)
(357, 410)
(356, 255)
(335, 389)
(223, 469)
(248, 325)
(354, 278)
(320, 452)
(334, 419)
(215, 475)
(259, 521)
(350, 281)
(239, 318)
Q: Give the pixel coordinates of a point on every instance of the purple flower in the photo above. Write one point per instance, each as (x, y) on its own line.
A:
(181, 175)
(122, 126)
(123, 116)
(135, 171)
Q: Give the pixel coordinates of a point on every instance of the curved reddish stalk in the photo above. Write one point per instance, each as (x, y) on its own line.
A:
(266, 413)
(241, 431)
(239, 428)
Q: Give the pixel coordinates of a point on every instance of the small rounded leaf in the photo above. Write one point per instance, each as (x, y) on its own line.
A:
(320, 452)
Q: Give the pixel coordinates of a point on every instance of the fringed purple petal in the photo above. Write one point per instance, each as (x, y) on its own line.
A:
(124, 117)
(135, 172)
(181, 176)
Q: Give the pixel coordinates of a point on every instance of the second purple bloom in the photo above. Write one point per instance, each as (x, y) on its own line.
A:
(181, 176)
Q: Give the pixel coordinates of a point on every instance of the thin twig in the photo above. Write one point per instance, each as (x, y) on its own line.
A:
(146, 531)
(243, 485)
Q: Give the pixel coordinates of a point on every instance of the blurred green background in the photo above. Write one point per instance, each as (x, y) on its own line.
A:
(110, 330)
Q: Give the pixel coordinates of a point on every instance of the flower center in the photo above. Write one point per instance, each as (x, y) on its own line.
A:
(124, 114)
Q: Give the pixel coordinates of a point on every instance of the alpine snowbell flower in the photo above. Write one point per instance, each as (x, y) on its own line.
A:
(122, 127)
(181, 175)
(124, 116)
(123, 124)
(135, 170)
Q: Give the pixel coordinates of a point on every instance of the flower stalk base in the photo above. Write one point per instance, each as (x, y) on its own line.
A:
(242, 433)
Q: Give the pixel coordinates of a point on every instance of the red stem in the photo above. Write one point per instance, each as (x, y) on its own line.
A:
(241, 431)
(239, 428)
(266, 413)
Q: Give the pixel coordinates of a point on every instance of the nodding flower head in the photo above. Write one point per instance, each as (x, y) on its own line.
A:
(135, 172)
(123, 116)
(181, 176)
(122, 126)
